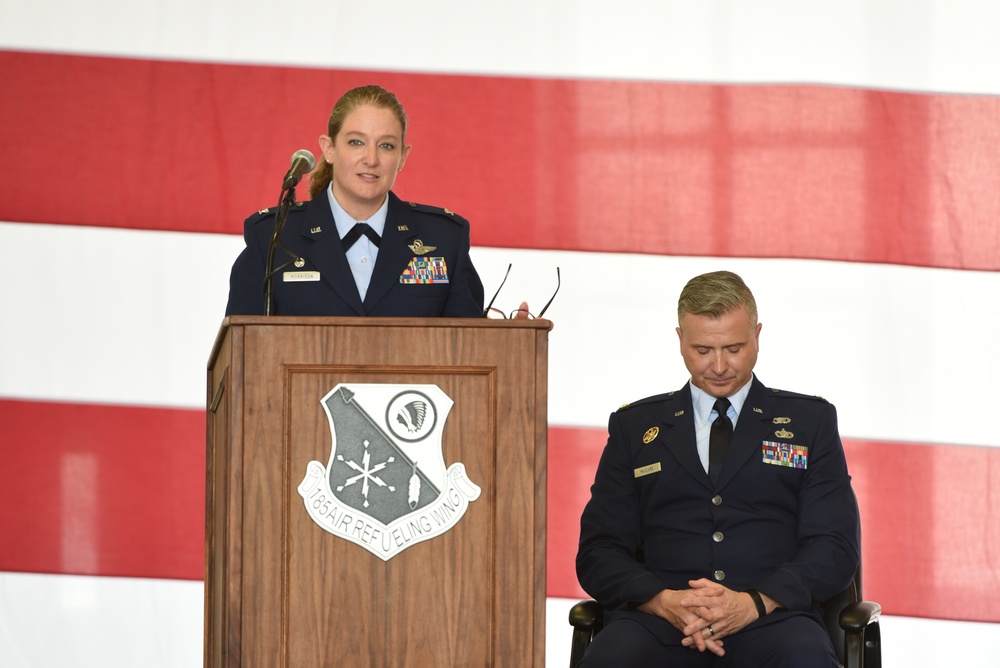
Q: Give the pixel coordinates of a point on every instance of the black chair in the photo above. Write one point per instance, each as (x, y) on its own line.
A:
(851, 622)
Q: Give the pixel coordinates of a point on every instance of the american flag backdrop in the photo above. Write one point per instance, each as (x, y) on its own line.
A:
(843, 157)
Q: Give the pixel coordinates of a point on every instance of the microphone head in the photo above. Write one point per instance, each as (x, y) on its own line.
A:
(306, 156)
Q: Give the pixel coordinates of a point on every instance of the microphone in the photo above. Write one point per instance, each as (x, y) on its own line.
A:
(302, 162)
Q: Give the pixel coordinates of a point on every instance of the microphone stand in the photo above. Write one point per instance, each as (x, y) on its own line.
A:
(287, 199)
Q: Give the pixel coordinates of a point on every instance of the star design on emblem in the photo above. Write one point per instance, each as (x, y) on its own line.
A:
(366, 473)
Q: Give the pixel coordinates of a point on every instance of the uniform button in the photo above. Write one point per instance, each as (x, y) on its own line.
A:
(716, 500)
(718, 537)
(720, 575)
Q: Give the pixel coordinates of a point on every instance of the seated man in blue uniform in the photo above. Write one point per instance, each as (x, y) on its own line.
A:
(721, 514)
(409, 260)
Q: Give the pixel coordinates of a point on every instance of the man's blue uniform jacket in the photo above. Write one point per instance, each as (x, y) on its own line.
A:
(782, 519)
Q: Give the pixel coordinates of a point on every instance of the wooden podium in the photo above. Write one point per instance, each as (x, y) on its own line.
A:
(280, 590)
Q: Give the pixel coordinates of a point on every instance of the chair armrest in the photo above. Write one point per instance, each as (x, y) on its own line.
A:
(855, 617)
(587, 616)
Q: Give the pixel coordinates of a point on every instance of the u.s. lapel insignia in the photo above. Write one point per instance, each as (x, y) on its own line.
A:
(403, 228)
(757, 410)
(299, 262)
(678, 413)
(782, 433)
(315, 230)
(781, 420)
(419, 248)
(650, 434)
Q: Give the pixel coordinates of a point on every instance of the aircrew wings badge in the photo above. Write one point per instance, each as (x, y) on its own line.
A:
(385, 486)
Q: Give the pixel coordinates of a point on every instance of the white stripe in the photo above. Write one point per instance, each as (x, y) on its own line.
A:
(899, 350)
(890, 346)
(99, 622)
(126, 622)
(111, 316)
(928, 45)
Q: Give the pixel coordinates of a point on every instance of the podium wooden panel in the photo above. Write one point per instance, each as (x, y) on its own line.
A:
(281, 591)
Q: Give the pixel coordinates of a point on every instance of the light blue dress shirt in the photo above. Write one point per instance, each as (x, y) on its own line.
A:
(704, 415)
(362, 255)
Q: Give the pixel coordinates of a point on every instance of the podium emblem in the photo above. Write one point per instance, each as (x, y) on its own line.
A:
(386, 486)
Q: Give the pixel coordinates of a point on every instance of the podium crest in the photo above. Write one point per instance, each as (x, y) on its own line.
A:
(386, 486)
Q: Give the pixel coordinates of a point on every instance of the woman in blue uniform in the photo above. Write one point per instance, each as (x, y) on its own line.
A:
(356, 249)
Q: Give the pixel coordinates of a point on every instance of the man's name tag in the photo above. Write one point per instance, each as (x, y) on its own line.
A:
(299, 276)
(646, 470)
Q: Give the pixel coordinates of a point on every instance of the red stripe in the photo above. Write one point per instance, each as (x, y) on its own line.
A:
(921, 558)
(102, 490)
(675, 169)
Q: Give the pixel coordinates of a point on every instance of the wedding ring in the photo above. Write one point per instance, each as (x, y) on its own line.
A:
(711, 632)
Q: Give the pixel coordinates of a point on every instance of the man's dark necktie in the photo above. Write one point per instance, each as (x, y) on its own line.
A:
(718, 439)
(355, 233)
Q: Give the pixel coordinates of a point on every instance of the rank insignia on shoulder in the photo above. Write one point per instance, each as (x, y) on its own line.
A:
(650, 434)
(623, 406)
(419, 248)
(646, 470)
(781, 420)
(262, 212)
(781, 433)
(437, 211)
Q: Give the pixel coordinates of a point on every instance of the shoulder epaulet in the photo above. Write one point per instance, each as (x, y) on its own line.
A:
(796, 395)
(648, 400)
(438, 211)
(270, 212)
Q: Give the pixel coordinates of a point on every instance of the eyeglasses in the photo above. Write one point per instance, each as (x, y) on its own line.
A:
(490, 312)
